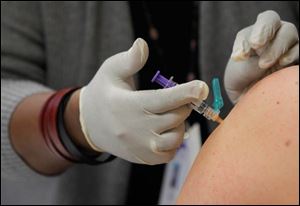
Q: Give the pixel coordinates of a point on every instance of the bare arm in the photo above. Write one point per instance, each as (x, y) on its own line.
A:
(27, 139)
(253, 156)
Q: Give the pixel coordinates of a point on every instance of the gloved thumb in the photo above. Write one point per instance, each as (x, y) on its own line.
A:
(126, 64)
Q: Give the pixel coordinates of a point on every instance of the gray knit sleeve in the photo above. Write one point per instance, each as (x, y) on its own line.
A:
(22, 73)
(12, 93)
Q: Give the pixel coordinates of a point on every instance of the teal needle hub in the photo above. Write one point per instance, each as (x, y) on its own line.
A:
(218, 100)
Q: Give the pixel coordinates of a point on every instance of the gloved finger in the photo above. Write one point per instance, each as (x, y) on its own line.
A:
(286, 37)
(264, 29)
(154, 157)
(126, 64)
(241, 47)
(239, 75)
(163, 100)
(171, 119)
(233, 95)
(290, 57)
(170, 140)
(166, 157)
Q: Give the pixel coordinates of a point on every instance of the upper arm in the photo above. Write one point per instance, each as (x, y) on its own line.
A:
(253, 156)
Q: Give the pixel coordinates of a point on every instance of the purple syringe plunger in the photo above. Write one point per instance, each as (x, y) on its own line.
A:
(163, 81)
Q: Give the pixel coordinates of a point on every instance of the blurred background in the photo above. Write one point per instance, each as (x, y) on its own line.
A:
(187, 40)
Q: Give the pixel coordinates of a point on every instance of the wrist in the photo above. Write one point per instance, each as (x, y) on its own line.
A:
(72, 123)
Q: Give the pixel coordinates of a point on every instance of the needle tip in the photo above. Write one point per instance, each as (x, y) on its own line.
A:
(219, 120)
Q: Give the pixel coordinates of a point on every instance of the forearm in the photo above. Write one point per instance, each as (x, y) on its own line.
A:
(27, 139)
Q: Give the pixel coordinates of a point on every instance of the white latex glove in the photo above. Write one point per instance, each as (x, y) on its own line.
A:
(267, 46)
(139, 126)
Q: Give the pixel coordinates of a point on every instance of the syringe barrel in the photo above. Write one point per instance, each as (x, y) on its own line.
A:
(206, 111)
(203, 109)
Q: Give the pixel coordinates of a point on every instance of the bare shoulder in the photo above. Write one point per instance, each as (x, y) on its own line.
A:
(253, 156)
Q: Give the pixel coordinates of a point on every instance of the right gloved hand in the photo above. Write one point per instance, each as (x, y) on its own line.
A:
(139, 126)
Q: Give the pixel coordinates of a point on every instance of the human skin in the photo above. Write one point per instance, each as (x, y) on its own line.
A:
(253, 156)
(26, 136)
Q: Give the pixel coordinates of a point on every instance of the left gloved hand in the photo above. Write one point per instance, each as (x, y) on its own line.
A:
(267, 46)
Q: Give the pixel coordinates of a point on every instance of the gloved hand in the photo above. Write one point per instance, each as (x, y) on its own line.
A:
(139, 126)
(267, 46)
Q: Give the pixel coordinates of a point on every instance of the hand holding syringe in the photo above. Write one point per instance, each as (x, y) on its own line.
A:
(202, 108)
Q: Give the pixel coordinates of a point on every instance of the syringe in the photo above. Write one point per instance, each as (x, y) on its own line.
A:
(203, 108)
